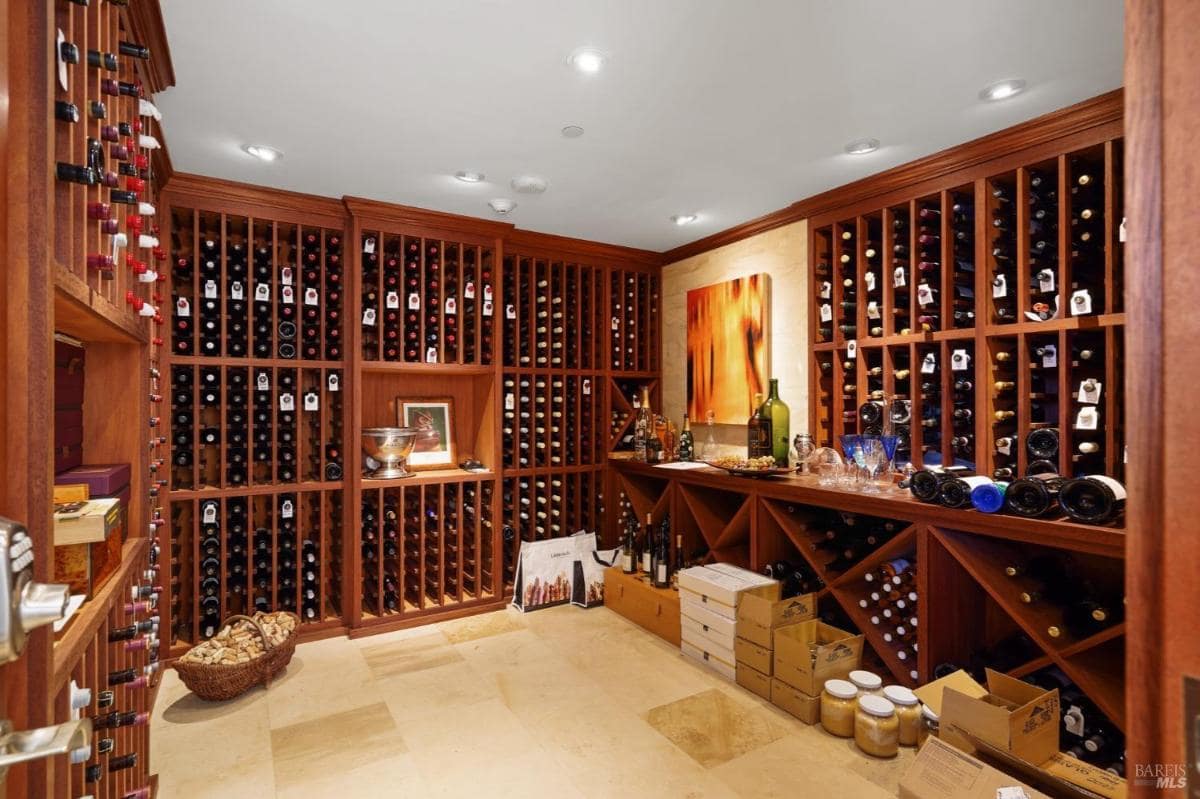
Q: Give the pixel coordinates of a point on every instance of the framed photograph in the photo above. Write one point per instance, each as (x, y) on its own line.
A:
(434, 420)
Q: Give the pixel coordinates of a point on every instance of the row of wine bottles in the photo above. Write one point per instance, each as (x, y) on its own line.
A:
(243, 293)
(260, 553)
(648, 549)
(553, 314)
(426, 546)
(1093, 499)
(1057, 580)
(634, 322)
(548, 420)
(839, 540)
(237, 426)
(553, 505)
(891, 605)
(427, 300)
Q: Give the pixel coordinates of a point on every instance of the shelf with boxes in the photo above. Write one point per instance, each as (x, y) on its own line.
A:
(983, 317)
(896, 571)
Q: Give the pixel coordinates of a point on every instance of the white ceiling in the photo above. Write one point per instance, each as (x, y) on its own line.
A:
(725, 108)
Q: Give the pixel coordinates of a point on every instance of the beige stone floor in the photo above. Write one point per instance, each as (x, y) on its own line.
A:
(563, 702)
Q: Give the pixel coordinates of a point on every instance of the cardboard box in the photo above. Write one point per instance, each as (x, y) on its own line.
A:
(714, 661)
(691, 605)
(941, 771)
(719, 585)
(757, 657)
(655, 609)
(837, 654)
(702, 634)
(753, 680)
(803, 706)
(760, 611)
(1061, 776)
(92, 521)
(1012, 716)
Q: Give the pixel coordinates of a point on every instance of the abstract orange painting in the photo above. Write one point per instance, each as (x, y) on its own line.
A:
(727, 348)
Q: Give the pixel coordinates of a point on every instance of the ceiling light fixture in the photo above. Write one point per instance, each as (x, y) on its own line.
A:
(572, 131)
(502, 205)
(683, 219)
(262, 152)
(528, 184)
(862, 146)
(1002, 89)
(469, 177)
(587, 60)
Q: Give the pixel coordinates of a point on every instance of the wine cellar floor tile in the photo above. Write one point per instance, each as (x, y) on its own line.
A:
(563, 701)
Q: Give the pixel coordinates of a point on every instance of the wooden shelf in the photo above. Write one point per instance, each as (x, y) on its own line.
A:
(449, 369)
(428, 477)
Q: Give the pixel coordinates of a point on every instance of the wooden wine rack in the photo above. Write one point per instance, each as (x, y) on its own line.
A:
(875, 280)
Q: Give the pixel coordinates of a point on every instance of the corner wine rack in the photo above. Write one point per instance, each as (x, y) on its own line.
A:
(299, 321)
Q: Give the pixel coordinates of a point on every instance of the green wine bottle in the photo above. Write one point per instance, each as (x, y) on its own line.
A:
(777, 411)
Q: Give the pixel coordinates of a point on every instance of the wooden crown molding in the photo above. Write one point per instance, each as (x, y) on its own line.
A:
(1101, 110)
(519, 240)
(203, 189)
(377, 210)
(144, 21)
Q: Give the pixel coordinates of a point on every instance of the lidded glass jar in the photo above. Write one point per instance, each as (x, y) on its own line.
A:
(876, 727)
(908, 710)
(839, 701)
(929, 724)
(867, 682)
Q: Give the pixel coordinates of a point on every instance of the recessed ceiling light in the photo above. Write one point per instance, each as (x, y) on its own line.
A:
(502, 205)
(572, 131)
(263, 152)
(469, 177)
(587, 60)
(862, 146)
(1002, 89)
(683, 219)
(528, 184)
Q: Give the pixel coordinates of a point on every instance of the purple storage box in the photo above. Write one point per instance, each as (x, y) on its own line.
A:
(103, 480)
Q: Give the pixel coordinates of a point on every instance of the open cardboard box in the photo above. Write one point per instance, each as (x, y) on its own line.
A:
(941, 771)
(760, 611)
(1015, 725)
(837, 654)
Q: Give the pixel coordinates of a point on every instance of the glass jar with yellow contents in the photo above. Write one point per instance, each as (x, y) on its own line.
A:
(876, 727)
(867, 682)
(929, 725)
(838, 703)
(908, 711)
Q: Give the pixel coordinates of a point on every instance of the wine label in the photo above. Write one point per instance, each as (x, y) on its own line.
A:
(826, 290)
(487, 307)
(391, 300)
(1050, 356)
(929, 364)
(1087, 419)
(262, 293)
(1081, 303)
(312, 401)
(826, 312)
(999, 287)
(960, 361)
(1045, 280)
(368, 318)
(1089, 391)
(469, 290)
(287, 295)
(872, 310)
(852, 349)
(899, 279)
(1115, 485)
(235, 290)
(924, 295)
(311, 297)
(431, 355)
(451, 307)
(869, 281)
(587, 388)
(287, 402)
(183, 307)
(264, 382)
(210, 289)
(334, 383)
(286, 509)
(369, 245)
(285, 276)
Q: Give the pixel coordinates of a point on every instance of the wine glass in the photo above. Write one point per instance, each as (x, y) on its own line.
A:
(709, 451)
(827, 464)
(850, 446)
(889, 443)
(873, 458)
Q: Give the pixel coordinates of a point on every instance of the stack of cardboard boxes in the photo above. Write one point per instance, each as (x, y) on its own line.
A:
(708, 610)
(760, 613)
(806, 655)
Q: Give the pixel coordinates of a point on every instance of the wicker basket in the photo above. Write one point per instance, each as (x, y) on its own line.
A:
(218, 682)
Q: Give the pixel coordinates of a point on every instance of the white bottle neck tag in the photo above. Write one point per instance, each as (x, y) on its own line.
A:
(1089, 391)
(826, 290)
(469, 290)
(487, 307)
(235, 290)
(1050, 356)
(368, 318)
(852, 349)
(334, 382)
(264, 382)
(210, 289)
(899, 279)
(1088, 418)
(182, 307)
(312, 401)
(262, 293)
(1081, 303)
(872, 310)
(960, 361)
(929, 364)
(287, 402)
(869, 281)
(311, 297)
(391, 300)
(826, 312)
(924, 295)
(369, 245)
(999, 287)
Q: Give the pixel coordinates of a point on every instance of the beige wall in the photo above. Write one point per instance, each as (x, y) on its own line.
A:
(782, 253)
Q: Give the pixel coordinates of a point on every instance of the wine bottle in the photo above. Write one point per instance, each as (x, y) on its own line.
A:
(1095, 499)
(926, 484)
(955, 492)
(687, 444)
(648, 549)
(1033, 495)
(777, 412)
(758, 431)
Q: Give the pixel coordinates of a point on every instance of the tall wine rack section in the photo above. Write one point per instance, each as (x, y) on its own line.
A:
(991, 308)
(298, 322)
